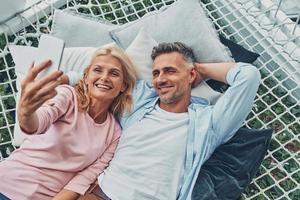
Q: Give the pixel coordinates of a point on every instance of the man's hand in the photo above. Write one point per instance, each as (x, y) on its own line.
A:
(216, 71)
(34, 93)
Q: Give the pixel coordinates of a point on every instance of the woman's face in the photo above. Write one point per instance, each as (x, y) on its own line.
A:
(105, 78)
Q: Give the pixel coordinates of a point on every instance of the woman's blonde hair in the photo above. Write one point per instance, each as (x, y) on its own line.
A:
(123, 101)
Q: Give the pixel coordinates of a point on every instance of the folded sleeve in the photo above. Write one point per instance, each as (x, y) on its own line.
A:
(82, 181)
(232, 108)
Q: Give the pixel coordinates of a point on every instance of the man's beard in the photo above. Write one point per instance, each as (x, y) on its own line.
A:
(172, 99)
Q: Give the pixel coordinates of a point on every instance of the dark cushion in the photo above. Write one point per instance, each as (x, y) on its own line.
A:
(226, 174)
(3, 197)
(240, 54)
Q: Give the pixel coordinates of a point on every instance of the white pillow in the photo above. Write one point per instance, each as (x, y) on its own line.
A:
(81, 30)
(183, 21)
(140, 53)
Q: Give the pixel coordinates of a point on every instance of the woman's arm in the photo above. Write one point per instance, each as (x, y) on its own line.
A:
(34, 93)
(66, 195)
(82, 181)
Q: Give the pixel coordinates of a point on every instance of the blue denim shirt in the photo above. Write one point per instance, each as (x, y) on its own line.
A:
(209, 125)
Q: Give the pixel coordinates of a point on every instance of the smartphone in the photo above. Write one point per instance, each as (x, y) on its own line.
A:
(49, 48)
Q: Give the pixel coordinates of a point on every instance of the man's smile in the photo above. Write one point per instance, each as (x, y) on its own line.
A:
(164, 88)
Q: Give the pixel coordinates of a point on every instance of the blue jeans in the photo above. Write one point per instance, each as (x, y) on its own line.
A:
(3, 197)
(98, 192)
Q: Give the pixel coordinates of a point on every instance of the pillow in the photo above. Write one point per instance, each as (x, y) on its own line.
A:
(240, 54)
(230, 169)
(183, 21)
(80, 30)
(140, 53)
(140, 50)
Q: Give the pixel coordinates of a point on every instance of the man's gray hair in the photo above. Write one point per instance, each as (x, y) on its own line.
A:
(179, 47)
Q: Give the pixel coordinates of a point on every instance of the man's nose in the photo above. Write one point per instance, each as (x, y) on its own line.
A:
(161, 78)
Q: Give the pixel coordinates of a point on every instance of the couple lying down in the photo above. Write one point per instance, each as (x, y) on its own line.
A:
(74, 133)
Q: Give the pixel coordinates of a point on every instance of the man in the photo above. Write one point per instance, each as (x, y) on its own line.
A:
(169, 134)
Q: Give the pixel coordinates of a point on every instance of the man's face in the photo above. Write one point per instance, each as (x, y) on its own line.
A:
(172, 78)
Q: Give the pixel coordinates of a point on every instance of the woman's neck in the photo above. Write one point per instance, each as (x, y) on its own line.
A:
(98, 111)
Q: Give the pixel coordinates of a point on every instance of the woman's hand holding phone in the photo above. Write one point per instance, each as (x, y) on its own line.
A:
(35, 92)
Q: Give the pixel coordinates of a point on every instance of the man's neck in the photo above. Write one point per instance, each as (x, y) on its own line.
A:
(176, 107)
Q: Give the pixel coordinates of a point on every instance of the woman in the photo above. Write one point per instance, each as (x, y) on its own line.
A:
(72, 134)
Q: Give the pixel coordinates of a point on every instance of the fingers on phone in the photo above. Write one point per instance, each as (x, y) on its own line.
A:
(47, 89)
(54, 76)
(38, 102)
(35, 69)
(52, 80)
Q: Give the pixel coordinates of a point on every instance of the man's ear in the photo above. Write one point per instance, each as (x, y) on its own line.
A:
(193, 75)
(197, 77)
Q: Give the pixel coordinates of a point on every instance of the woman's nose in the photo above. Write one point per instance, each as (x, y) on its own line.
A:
(104, 76)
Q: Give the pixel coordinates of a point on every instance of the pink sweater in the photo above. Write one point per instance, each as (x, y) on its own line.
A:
(69, 151)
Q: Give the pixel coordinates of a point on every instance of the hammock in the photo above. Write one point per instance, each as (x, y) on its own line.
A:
(259, 26)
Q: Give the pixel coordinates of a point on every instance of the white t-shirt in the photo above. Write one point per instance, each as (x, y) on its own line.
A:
(149, 160)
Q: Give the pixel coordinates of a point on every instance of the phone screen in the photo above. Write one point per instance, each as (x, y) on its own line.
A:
(49, 48)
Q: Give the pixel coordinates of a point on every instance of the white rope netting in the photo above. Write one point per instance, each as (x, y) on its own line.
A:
(257, 25)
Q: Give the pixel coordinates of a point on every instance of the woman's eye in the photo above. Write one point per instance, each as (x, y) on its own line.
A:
(116, 74)
(97, 70)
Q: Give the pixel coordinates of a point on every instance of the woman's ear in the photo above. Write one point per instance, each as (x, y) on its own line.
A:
(85, 78)
(124, 87)
(85, 74)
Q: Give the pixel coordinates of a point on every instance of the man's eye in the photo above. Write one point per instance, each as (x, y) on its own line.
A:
(154, 74)
(171, 71)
